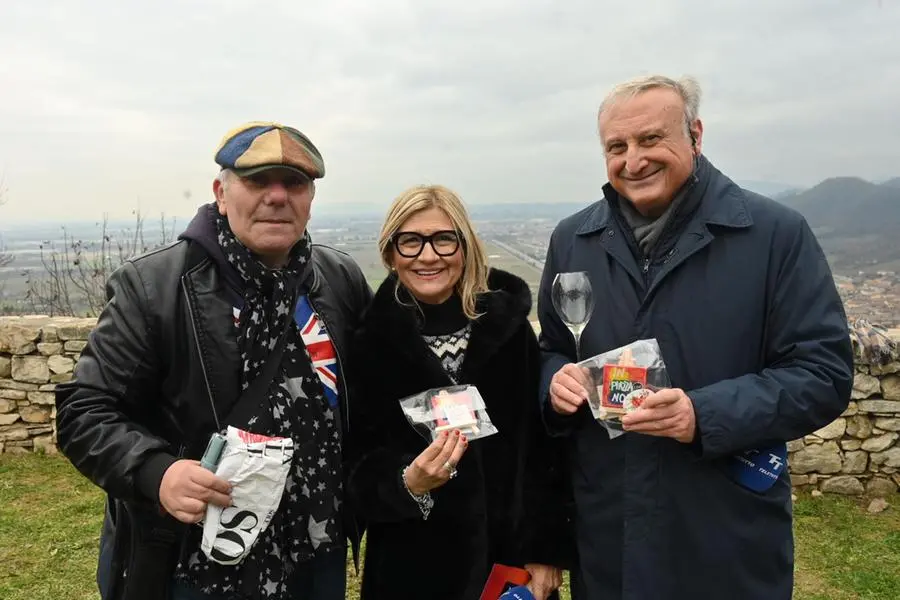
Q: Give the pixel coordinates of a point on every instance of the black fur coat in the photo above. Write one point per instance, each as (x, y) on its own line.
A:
(508, 503)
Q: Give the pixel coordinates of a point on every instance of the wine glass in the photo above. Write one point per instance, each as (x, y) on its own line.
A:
(573, 300)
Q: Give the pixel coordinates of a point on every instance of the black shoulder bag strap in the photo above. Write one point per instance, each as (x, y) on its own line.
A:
(254, 401)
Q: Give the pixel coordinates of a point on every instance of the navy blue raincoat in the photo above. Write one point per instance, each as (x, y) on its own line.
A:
(742, 302)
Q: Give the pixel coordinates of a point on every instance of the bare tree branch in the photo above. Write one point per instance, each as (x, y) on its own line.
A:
(74, 275)
(6, 258)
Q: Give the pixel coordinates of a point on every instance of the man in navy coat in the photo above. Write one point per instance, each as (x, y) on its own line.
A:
(737, 291)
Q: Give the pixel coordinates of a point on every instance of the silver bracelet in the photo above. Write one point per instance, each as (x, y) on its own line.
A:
(425, 502)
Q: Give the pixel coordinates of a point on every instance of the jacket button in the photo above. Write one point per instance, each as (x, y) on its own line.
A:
(610, 232)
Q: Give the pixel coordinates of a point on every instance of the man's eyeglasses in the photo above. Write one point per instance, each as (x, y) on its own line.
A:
(410, 244)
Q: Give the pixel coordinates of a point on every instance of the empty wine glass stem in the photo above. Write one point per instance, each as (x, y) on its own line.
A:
(577, 347)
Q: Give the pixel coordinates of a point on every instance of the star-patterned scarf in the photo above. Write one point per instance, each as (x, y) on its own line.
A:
(306, 520)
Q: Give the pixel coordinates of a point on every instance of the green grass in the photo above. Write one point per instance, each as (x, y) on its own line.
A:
(845, 553)
(50, 519)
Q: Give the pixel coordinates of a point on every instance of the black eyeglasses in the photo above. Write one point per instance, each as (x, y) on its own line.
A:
(410, 244)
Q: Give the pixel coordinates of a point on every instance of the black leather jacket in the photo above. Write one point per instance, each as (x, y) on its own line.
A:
(162, 366)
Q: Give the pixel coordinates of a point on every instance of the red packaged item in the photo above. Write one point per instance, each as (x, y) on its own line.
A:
(501, 579)
(619, 383)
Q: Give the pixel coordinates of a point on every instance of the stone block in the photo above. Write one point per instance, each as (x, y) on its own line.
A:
(60, 364)
(891, 407)
(7, 405)
(893, 367)
(45, 398)
(60, 377)
(30, 369)
(812, 439)
(76, 329)
(890, 387)
(888, 458)
(8, 418)
(47, 387)
(798, 480)
(880, 443)
(49, 348)
(49, 334)
(851, 444)
(833, 430)
(13, 394)
(851, 410)
(880, 487)
(9, 384)
(35, 414)
(865, 386)
(75, 345)
(843, 484)
(888, 423)
(13, 433)
(795, 445)
(45, 444)
(859, 426)
(820, 458)
(5, 366)
(18, 336)
(855, 462)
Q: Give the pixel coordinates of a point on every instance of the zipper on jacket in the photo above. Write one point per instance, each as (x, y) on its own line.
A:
(212, 404)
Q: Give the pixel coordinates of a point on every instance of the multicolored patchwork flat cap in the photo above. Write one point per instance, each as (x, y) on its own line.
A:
(259, 145)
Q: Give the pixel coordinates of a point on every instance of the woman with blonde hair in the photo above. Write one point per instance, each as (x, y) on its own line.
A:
(440, 515)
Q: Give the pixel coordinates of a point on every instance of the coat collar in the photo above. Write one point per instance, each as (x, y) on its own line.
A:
(505, 309)
(722, 202)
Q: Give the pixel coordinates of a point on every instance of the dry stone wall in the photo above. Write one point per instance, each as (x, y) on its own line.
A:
(36, 353)
(857, 454)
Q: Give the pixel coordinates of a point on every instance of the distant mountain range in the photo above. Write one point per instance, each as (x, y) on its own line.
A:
(856, 221)
(849, 206)
(771, 189)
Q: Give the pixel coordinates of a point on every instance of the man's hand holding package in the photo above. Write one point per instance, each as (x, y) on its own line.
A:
(568, 389)
(666, 413)
(187, 488)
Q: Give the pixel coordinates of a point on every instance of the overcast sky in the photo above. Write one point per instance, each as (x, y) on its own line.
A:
(109, 104)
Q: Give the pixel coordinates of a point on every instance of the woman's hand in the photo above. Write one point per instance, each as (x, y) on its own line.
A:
(435, 465)
(544, 580)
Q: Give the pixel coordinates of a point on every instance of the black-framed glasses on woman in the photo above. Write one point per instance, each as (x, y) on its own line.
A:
(409, 244)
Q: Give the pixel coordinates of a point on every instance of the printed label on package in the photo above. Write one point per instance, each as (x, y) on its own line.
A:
(619, 383)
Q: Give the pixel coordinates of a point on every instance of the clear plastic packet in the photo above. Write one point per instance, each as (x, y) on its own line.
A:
(441, 409)
(621, 379)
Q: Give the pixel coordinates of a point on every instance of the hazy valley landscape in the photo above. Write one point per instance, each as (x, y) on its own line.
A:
(856, 221)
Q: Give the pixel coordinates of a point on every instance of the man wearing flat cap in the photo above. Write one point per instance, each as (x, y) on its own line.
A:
(242, 322)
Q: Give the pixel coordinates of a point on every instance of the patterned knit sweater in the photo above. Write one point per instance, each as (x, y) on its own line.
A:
(446, 330)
